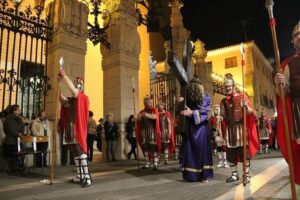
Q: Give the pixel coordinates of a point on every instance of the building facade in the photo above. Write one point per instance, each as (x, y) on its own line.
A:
(258, 79)
(108, 73)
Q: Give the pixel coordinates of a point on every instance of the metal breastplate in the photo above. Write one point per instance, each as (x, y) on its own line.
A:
(148, 130)
(263, 123)
(164, 127)
(234, 110)
(294, 67)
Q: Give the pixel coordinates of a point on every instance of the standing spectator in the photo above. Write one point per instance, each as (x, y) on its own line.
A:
(273, 124)
(41, 127)
(13, 128)
(130, 130)
(99, 130)
(2, 134)
(91, 135)
(111, 135)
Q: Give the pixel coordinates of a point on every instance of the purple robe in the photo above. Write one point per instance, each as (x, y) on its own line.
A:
(196, 160)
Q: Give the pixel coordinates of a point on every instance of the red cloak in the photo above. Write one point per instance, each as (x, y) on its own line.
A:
(139, 129)
(251, 130)
(280, 129)
(82, 115)
(172, 137)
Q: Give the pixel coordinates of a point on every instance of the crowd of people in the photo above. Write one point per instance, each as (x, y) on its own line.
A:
(13, 128)
(203, 131)
(208, 131)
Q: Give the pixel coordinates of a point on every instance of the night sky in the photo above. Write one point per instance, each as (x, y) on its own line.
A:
(218, 23)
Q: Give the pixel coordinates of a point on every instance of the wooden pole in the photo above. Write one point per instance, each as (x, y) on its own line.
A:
(269, 6)
(135, 123)
(244, 119)
(53, 155)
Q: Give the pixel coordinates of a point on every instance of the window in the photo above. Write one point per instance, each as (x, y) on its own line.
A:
(32, 88)
(231, 62)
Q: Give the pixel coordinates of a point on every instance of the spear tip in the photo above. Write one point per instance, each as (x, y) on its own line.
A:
(61, 62)
(269, 4)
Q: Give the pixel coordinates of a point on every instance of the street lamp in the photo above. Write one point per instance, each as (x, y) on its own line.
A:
(95, 33)
(152, 19)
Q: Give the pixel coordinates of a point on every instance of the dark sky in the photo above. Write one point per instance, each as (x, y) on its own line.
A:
(217, 22)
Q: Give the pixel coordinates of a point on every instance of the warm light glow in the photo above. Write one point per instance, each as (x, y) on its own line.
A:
(144, 72)
(94, 75)
(39, 3)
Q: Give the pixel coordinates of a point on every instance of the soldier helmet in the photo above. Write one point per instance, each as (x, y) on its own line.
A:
(147, 98)
(79, 83)
(228, 80)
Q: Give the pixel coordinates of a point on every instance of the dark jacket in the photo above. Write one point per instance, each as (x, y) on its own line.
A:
(129, 130)
(111, 131)
(99, 131)
(13, 125)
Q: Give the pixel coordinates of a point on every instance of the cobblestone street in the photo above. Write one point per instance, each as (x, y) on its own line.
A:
(120, 180)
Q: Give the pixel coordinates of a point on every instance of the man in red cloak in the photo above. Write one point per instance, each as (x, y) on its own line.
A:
(232, 113)
(291, 82)
(148, 132)
(265, 129)
(73, 124)
(167, 131)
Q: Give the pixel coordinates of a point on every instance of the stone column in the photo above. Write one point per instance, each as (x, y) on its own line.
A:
(120, 64)
(202, 69)
(69, 21)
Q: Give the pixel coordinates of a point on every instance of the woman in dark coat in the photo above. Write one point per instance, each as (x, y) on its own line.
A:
(13, 127)
(130, 130)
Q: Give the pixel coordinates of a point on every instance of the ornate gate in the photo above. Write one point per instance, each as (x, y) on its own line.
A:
(163, 90)
(24, 37)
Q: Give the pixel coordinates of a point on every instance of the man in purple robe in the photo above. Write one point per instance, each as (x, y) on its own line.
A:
(196, 160)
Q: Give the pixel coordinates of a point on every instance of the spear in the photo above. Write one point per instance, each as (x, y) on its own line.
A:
(269, 5)
(244, 117)
(53, 155)
(135, 122)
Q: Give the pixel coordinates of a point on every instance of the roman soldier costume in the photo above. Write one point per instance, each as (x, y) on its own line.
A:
(232, 113)
(73, 124)
(265, 130)
(291, 69)
(167, 133)
(148, 133)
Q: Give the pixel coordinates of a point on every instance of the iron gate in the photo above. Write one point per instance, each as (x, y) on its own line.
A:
(24, 37)
(163, 90)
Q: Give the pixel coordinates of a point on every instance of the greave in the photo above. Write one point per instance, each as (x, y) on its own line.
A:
(220, 155)
(85, 169)
(147, 158)
(155, 155)
(79, 176)
(176, 153)
(234, 173)
(166, 152)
